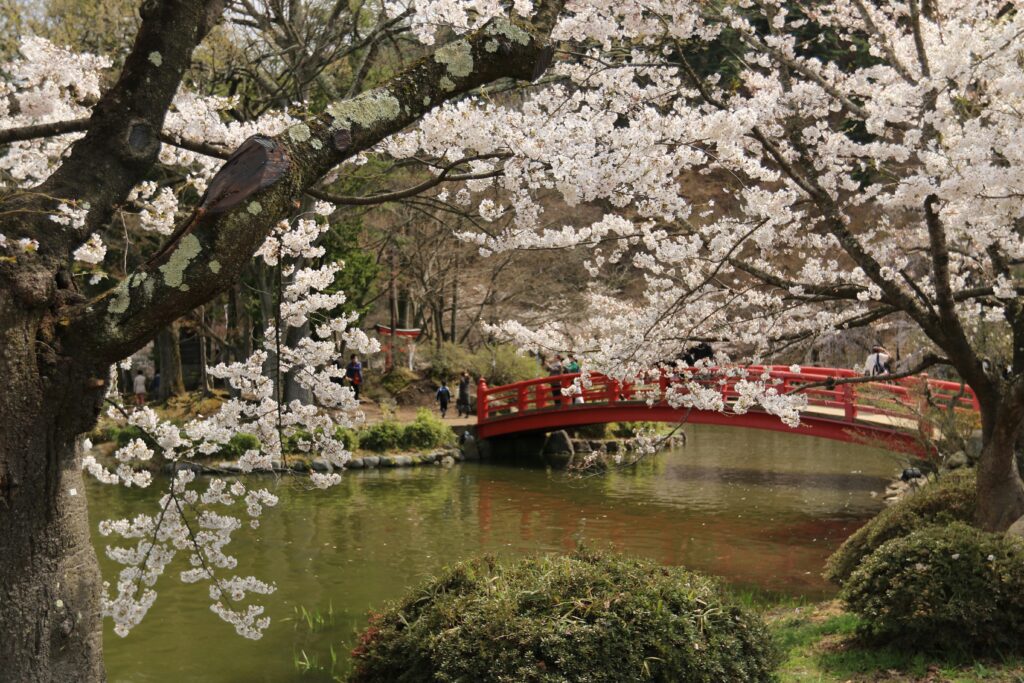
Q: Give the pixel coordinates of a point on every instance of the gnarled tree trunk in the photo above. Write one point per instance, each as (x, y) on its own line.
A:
(1000, 489)
(49, 575)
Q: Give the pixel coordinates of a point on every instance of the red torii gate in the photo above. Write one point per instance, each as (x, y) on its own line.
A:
(408, 334)
(887, 412)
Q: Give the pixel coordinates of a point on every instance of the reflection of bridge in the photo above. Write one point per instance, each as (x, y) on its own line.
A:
(887, 412)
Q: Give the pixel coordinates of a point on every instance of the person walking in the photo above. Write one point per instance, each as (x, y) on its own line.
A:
(877, 362)
(139, 388)
(462, 404)
(354, 374)
(443, 395)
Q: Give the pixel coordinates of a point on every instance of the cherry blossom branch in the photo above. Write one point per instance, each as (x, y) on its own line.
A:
(43, 130)
(444, 176)
(240, 210)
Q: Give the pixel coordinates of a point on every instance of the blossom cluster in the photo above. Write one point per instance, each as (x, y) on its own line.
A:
(198, 522)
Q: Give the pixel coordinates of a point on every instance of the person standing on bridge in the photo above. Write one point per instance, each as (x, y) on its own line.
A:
(877, 362)
(555, 368)
(444, 395)
(462, 404)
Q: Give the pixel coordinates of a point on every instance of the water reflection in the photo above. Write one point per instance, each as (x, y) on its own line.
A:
(761, 509)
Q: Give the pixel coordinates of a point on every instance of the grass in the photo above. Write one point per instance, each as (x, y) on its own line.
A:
(820, 646)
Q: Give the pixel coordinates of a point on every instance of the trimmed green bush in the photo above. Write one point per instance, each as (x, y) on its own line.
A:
(943, 588)
(240, 443)
(381, 436)
(583, 617)
(950, 499)
(427, 431)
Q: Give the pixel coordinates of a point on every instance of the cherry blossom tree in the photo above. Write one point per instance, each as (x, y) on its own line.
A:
(57, 346)
(868, 172)
(867, 167)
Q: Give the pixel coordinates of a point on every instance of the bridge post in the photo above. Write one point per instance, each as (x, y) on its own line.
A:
(662, 385)
(481, 400)
(613, 389)
(849, 403)
(521, 401)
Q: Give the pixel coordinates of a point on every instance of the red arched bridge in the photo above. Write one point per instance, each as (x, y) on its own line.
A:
(887, 413)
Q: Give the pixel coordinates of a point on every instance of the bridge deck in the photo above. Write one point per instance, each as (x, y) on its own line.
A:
(887, 412)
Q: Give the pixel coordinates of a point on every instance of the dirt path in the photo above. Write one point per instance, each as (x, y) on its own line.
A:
(405, 414)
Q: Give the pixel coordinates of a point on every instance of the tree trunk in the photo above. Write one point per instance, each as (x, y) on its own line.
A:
(49, 575)
(455, 301)
(172, 381)
(393, 305)
(293, 391)
(1000, 489)
(204, 356)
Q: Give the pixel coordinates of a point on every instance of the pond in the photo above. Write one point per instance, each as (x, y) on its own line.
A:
(761, 509)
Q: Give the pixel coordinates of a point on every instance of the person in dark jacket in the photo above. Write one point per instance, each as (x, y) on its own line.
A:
(444, 395)
(354, 374)
(462, 404)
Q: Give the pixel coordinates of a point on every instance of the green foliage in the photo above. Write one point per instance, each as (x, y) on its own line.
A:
(503, 364)
(427, 431)
(348, 437)
(122, 434)
(398, 380)
(240, 443)
(584, 617)
(448, 361)
(628, 430)
(500, 364)
(358, 278)
(943, 588)
(952, 498)
(381, 436)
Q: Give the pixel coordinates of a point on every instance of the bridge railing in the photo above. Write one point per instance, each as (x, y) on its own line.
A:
(903, 398)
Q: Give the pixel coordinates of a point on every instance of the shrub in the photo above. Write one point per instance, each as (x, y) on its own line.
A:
(448, 360)
(584, 617)
(950, 499)
(427, 431)
(239, 443)
(503, 364)
(628, 430)
(122, 434)
(398, 380)
(381, 436)
(348, 437)
(953, 587)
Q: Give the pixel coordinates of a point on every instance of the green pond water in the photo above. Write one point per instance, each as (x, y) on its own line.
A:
(761, 509)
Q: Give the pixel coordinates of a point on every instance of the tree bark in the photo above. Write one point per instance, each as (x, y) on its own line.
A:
(49, 575)
(1000, 489)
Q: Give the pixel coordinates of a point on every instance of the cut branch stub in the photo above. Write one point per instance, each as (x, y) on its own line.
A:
(258, 163)
(342, 140)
